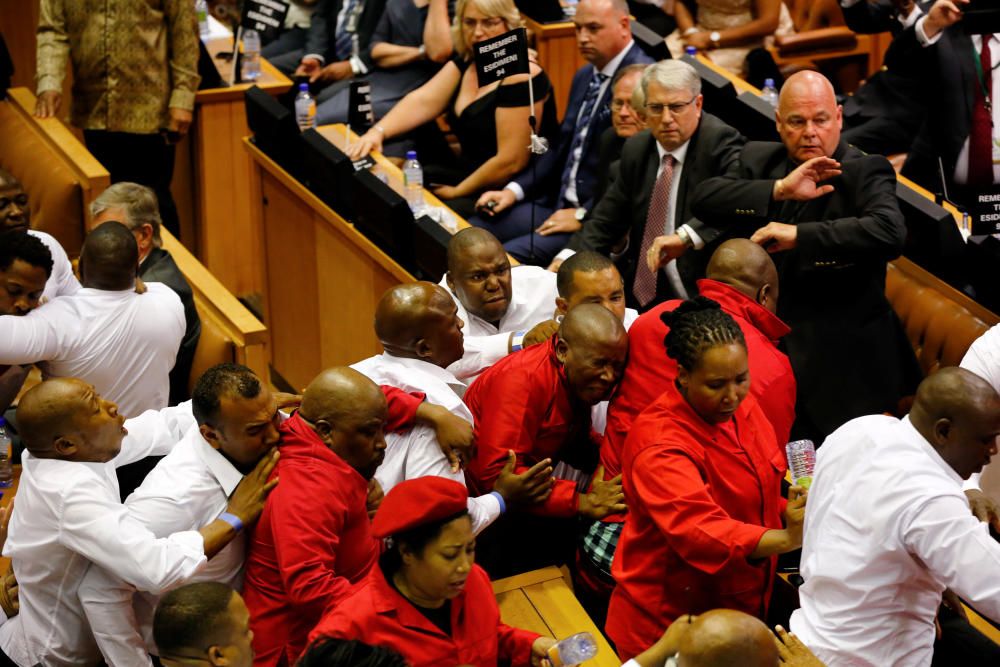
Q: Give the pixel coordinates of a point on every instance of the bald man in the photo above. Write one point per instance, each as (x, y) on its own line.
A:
(69, 515)
(502, 307)
(538, 404)
(742, 278)
(15, 215)
(888, 528)
(122, 342)
(421, 333)
(313, 542)
(830, 216)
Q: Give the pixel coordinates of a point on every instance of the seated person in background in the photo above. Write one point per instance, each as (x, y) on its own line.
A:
(411, 42)
(297, 35)
(327, 652)
(135, 206)
(68, 515)
(421, 334)
(314, 542)
(889, 530)
(725, 31)
(559, 187)
(491, 122)
(504, 308)
(538, 403)
(628, 118)
(15, 215)
(427, 598)
(203, 623)
(702, 472)
(649, 202)
(122, 342)
(25, 267)
(336, 48)
(237, 431)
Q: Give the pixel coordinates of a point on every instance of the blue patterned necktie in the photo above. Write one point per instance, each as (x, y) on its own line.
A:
(582, 123)
(344, 42)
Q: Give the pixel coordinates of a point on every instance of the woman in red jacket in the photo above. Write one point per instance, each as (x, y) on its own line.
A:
(702, 474)
(428, 599)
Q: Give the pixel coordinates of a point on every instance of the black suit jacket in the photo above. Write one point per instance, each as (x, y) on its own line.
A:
(323, 28)
(622, 211)
(847, 348)
(159, 267)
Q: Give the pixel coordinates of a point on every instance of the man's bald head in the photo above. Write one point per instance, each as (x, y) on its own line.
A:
(419, 321)
(592, 347)
(479, 274)
(65, 418)
(958, 413)
(110, 258)
(808, 117)
(336, 392)
(748, 268)
(461, 244)
(14, 212)
(727, 638)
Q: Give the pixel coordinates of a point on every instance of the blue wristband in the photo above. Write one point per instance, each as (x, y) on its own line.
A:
(503, 505)
(517, 341)
(232, 520)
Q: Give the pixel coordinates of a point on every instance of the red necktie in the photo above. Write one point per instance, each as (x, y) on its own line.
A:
(644, 287)
(981, 135)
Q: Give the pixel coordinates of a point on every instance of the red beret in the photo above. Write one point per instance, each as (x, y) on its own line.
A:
(418, 501)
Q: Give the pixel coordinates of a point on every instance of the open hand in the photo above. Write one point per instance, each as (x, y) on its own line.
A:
(604, 497)
(48, 104)
(776, 236)
(247, 501)
(532, 486)
(792, 652)
(803, 183)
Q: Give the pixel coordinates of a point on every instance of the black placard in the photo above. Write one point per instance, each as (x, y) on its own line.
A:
(359, 107)
(502, 56)
(264, 16)
(984, 209)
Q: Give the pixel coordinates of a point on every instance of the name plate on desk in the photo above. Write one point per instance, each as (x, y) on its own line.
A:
(364, 163)
(359, 107)
(264, 16)
(502, 56)
(984, 210)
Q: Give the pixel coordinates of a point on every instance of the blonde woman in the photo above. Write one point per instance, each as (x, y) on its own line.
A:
(491, 121)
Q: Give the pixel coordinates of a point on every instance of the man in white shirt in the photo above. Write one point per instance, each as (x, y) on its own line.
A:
(419, 328)
(888, 528)
(122, 342)
(983, 359)
(68, 515)
(15, 215)
(237, 425)
(503, 307)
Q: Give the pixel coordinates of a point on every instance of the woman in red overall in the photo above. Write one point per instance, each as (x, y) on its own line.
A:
(702, 474)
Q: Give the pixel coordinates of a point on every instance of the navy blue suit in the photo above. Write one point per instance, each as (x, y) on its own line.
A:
(542, 179)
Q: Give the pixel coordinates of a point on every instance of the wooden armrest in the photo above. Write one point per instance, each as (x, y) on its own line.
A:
(823, 39)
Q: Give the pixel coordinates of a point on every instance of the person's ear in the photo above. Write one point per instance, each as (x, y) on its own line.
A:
(423, 349)
(211, 435)
(942, 430)
(215, 656)
(65, 447)
(562, 306)
(406, 554)
(763, 294)
(562, 351)
(683, 377)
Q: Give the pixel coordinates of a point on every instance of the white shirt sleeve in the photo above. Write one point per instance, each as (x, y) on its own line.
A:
(483, 510)
(958, 549)
(565, 254)
(698, 242)
(518, 191)
(922, 36)
(30, 338)
(481, 352)
(102, 531)
(154, 433)
(107, 602)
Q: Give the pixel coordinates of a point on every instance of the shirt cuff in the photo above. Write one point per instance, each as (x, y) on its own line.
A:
(922, 36)
(698, 242)
(516, 189)
(495, 494)
(47, 83)
(565, 254)
(314, 56)
(182, 99)
(358, 66)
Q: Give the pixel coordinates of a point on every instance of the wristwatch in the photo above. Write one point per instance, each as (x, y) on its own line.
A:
(580, 213)
(714, 37)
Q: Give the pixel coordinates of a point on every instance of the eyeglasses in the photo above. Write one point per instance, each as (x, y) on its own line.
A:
(618, 105)
(488, 24)
(675, 109)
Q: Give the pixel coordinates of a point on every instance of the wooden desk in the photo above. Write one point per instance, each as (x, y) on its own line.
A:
(542, 602)
(212, 180)
(558, 56)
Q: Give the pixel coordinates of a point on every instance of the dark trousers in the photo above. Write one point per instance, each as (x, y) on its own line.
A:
(146, 159)
(962, 644)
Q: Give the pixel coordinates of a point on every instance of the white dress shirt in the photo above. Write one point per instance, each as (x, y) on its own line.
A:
(416, 453)
(532, 300)
(121, 342)
(70, 514)
(187, 490)
(887, 529)
(61, 281)
(983, 359)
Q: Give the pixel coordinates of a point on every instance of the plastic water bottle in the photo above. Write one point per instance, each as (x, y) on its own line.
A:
(251, 56)
(201, 10)
(305, 108)
(413, 183)
(802, 461)
(573, 650)
(6, 466)
(691, 51)
(769, 93)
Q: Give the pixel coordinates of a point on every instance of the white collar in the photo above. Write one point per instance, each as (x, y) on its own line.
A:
(224, 472)
(679, 153)
(436, 372)
(915, 436)
(612, 66)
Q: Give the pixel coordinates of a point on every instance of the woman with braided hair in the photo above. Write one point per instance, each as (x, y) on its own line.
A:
(702, 471)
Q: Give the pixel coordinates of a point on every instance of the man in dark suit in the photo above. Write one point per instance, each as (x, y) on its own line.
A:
(950, 64)
(645, 206)
(338, 38)
(135, 206)
(557, 188)
(830, 214)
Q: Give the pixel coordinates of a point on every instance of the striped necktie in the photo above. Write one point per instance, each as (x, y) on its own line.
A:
(582, 123)
(344, 43)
